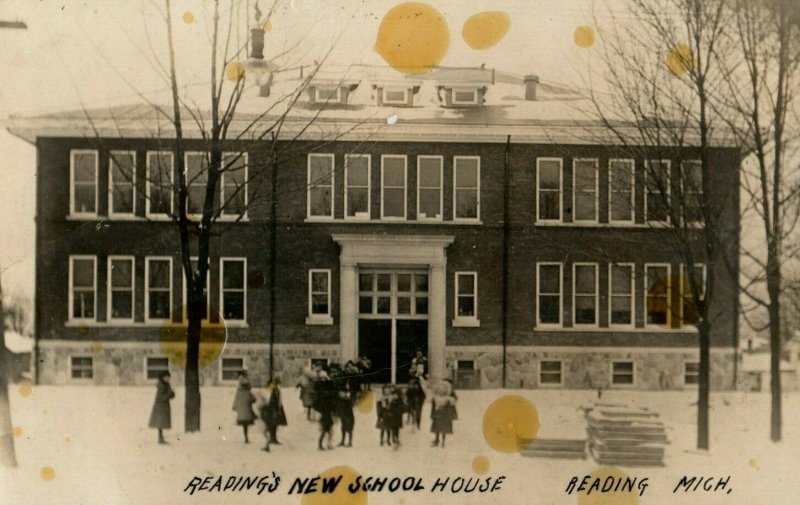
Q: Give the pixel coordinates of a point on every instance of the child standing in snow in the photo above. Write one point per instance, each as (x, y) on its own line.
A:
(384, 413)
(443, 412)
(416, 399)
(243, 405)
(161, 415)
(395, 419)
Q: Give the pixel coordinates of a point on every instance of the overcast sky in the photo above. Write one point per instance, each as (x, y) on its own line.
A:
(73, 51)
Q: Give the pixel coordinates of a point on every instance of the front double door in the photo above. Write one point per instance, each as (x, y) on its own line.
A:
(392, 321)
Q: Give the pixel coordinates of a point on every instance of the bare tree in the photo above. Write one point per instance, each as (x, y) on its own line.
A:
(7, 454)
(659, 109)
(758, 104)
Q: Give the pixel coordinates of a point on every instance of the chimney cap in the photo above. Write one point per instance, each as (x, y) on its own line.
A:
(530, 78)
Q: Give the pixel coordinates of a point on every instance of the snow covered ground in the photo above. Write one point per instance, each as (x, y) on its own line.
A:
(98, 445)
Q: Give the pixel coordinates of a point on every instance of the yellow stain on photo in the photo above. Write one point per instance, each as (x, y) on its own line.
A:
(413, 38)
(486, 29)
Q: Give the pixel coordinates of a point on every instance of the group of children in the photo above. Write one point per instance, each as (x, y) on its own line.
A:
(332, 394)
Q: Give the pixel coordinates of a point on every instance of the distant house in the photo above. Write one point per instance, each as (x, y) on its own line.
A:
(471, 214)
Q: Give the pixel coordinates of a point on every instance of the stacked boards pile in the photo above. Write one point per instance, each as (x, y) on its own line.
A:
(561, 448)
(624, 435)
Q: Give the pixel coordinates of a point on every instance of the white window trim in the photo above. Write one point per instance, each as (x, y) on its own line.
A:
(632, 163)
(147, 259)
(72, 213)
(596, 295)
(405, 188)
(386, 101)
(633, 374)
(441, 186)
(668, 202)
(71, 368)
(71, 293)
(596, 191)
(551, 384)
(683, 377)
(222, 200)
(369, 188)
(109, 289)
(473, 101)
(185, 293)
(457, 219)
(466, 321)
(335, 99)
(111, 158)
(309, 187)
(144, 367)
(560, 218)
(188, 182)
(318, 319)
(220, 369)
(683, 190)
(681, 286)
(669, 294)
(611, 294)
(222, 260)
(148, 181)
(560, 323)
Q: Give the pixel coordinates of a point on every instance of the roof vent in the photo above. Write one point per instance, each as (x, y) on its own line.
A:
(531, 82)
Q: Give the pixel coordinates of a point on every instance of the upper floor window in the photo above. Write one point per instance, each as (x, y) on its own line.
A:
(621, 190)
(393, 186)
(319, 295)
(357, 168)
(657, 284)
(621, 288)
(233, 289)
(467, 187)
(83, 183)
(233, 183)
(466, 290)
(692, 189)
(122, 183)
(120, 288)
(82, 288)
(429, 188)
(585, 190)
(548, 189)
(160, 173)
(196, 181)
(320, 185)
(657, 191)
(584, 294)
(158, 288)
(692, 282)
(548, 294)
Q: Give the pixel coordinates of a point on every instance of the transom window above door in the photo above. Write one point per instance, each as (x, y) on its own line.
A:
(393, 294)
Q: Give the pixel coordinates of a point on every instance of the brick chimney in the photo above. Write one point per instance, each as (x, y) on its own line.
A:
(531, 81)
(257, 43)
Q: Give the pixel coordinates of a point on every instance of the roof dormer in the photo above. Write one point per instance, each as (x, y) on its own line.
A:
(461, 95)
(462, 87)
(396, 94)
(330, 92)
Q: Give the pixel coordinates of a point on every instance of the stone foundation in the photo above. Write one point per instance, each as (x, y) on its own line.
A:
(587, 368)
(123, 364)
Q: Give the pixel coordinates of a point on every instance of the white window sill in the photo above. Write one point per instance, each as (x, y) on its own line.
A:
(319, 219)
(84, 217)
(601, 329)
(125, 217)
(232, 219)
(466, 322)
(550, 385)
(158, 217)
(319, 320)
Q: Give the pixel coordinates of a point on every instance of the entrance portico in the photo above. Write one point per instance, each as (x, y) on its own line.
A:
(394, 251)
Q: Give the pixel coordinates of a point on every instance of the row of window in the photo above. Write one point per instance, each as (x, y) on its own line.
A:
(657, 284)
(394, 187)
(158, 289)
(159, 184)
(621, 190)
(82, 367)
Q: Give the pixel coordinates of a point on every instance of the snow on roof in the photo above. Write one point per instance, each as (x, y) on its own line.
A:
(17, 343)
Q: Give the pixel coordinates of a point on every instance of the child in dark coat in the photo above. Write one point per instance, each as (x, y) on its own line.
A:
(161, 415)
(416, 399)
(443, 412)
(395, 420)
(272, 414)
(383, 411)
(306, 386)
(344, 410)
(243, 405)
(325, 404)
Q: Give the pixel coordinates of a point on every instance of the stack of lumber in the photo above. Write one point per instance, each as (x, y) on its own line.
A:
(562, 448)
(624, 435)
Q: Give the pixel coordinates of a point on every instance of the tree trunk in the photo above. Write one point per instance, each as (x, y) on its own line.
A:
(7, 454)
(703, 392)
(192, 372)
(776, 416)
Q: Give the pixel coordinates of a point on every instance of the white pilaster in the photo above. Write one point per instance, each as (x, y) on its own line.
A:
(437, 329)
(348, 318)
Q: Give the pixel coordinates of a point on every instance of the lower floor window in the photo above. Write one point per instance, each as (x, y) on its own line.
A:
(230, 368)
(691, 372)
(154, 366)
(622, 372)
(81, 367)
(550, 372)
